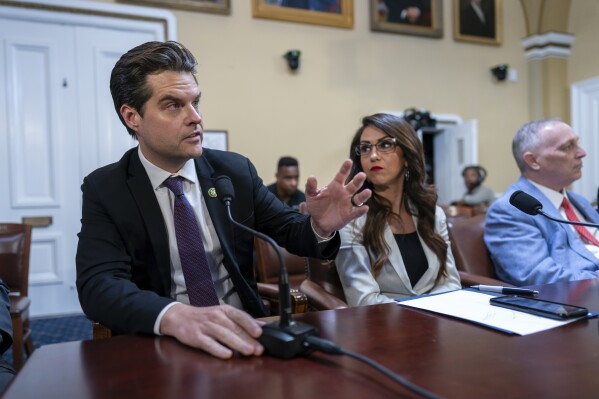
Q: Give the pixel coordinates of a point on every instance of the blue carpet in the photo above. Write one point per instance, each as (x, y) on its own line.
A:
(57, 329)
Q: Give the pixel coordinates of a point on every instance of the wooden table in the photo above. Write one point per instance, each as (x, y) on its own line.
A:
(452, 358)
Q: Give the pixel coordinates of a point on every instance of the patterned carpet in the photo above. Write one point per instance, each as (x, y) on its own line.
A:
(59, 329)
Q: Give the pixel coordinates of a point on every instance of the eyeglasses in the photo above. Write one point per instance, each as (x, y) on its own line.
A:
(385, 145)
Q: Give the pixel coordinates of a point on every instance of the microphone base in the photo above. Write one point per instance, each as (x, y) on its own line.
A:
(288, 341)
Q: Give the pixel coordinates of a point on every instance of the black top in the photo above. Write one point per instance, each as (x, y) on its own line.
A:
(296, 198)
(413, 255)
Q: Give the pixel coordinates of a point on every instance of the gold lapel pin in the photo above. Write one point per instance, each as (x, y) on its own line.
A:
(212, 192)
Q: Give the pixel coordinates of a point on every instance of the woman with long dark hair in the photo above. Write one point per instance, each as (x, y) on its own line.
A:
(401, 246)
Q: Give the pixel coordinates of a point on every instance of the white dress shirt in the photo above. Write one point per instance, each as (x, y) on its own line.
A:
(225, 291)
(556, 198)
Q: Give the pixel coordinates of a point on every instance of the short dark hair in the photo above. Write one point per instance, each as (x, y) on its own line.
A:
(287, 161)
(128, 84)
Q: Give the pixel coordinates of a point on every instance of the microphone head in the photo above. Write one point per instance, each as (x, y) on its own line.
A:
(224, 188)
(526, 203)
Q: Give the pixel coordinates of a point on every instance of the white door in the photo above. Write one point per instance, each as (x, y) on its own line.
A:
(454, 148)
(585, 121)
(39, 166)
(57, 124)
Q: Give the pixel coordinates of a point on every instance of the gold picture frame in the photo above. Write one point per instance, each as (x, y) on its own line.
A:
(215, 7)
(483, 26)
(390, 16)
(269, 9)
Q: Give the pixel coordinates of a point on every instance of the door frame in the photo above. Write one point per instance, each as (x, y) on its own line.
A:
(584, 97)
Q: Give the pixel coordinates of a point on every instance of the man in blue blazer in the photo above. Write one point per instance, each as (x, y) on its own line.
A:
(530, 249)
(130, 276)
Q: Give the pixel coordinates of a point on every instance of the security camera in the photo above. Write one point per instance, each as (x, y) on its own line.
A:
(500, 71)
(293, 59)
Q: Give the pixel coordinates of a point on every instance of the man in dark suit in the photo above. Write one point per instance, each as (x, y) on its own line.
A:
(6, 371)
(130, 275)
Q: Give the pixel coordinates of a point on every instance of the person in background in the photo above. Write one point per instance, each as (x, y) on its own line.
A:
(399, 248)
(529, 249)
(157, 253)
(6, 371)
(285, 187)
(476, 193)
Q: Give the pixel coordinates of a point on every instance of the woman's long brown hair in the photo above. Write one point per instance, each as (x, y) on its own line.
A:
(421, 197)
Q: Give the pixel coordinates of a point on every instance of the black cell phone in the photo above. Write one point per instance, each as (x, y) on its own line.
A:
(539, 307)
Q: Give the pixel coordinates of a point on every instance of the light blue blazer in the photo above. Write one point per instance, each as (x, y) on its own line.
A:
(392, 281)
(530, 249)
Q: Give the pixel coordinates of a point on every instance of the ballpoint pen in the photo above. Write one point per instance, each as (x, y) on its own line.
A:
(505, 290)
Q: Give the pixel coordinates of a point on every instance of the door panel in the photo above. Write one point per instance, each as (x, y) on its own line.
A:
(57, 124)
(105, 137)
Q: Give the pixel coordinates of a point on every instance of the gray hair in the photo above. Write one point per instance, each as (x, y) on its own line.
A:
(527, 139)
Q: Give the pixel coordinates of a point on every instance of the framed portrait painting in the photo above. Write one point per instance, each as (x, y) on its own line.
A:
(477, 21)
(409, 17)
(337, 13)
(212, 6)
(215, 139)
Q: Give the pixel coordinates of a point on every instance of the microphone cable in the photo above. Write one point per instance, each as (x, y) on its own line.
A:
(331, 348)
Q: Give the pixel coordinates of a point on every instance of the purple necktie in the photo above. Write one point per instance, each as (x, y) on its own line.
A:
(196, 272)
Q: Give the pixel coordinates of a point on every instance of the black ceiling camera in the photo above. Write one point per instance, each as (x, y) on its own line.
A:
(480, 172)
(293, 59)
(419, 118)
(500, 71)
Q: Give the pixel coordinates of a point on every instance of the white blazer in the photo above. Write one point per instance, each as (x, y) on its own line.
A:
(392, 281)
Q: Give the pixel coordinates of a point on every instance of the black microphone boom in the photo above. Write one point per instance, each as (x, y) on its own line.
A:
(529, 204)
(284, 338)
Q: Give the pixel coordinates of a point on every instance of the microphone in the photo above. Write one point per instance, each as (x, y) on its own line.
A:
(286, 337)
(530, 205)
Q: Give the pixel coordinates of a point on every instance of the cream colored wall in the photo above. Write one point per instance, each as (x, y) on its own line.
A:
(344, 75)
(584, 60)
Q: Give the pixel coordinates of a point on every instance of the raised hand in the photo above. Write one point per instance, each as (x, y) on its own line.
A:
(336, 204)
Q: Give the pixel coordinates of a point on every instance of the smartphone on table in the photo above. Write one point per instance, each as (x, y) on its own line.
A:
(539, 307)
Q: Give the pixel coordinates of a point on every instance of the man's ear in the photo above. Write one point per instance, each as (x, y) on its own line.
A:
(131, 117)
(531, 160)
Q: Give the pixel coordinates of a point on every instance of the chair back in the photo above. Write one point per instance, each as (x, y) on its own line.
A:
(323, 286)
(15, 248)
(267, 264)
(469, 248)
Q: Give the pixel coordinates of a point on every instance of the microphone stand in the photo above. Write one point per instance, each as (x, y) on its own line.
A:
(286, 337)
(541, 212)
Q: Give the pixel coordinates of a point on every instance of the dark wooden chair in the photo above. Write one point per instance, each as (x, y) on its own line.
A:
(472, 257)
(15, 248)
(267, 273)
(323, 286)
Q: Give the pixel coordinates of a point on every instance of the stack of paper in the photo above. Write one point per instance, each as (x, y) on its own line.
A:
(475, 306)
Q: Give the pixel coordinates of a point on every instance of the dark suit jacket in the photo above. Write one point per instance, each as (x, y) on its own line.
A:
(123, 260)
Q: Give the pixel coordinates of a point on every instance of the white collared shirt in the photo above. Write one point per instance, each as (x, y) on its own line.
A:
(556, 198)
(225, 290)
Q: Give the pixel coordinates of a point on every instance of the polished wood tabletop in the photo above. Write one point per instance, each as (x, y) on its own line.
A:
(449, 357)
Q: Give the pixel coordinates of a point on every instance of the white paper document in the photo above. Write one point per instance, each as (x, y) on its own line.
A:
(475, 306)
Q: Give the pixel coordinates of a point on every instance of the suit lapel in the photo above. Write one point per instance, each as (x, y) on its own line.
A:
(216, 208)
(224, 231)
(141, 189)
(572, 238)
(589, 214)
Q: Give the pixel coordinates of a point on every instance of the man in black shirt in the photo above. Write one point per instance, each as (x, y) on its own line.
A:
(285, 188)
